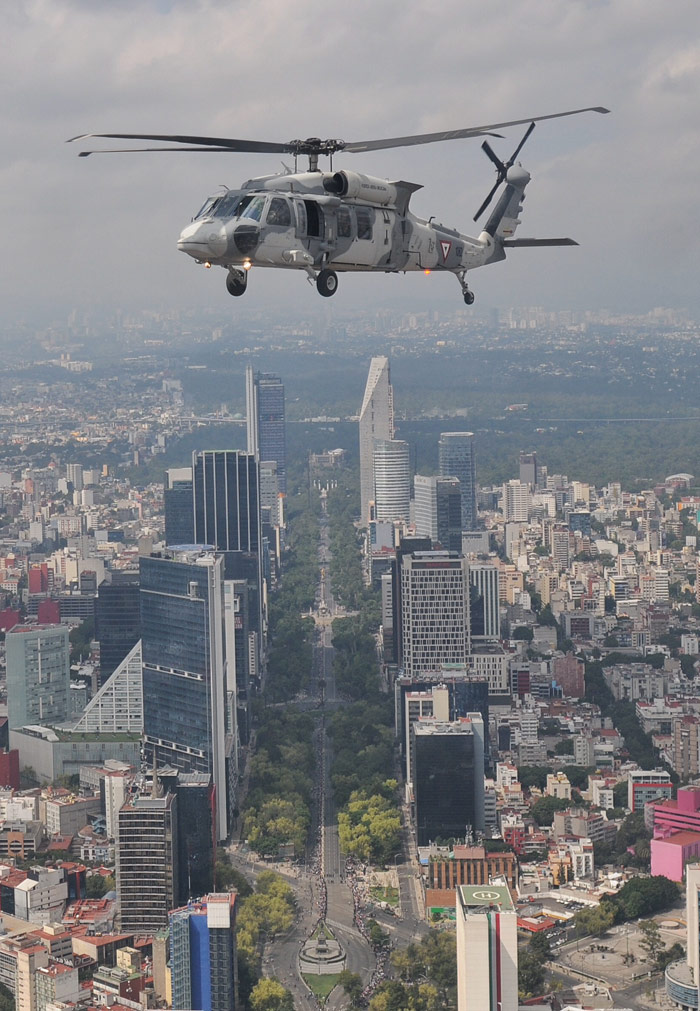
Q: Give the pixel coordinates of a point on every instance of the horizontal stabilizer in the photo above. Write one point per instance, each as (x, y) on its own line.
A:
(540, 242)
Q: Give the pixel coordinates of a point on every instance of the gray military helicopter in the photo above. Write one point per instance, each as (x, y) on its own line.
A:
(325, 223)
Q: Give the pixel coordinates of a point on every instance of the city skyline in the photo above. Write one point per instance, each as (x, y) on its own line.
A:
(132, 68)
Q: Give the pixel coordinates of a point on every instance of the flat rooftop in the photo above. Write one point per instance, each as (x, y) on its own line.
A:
(478, 898)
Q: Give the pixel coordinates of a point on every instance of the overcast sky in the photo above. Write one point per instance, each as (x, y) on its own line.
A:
(101, 232)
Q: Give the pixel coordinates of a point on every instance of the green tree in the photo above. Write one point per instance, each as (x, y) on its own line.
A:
(531, 975)
(524, 633)
(270, 995)
(539, 947)
(544, 808)
(351, 982)
(98, 885)
(595, 920)
(651, 942)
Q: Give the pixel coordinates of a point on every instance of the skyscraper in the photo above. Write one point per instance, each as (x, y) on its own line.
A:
(117, 618)
(484, 605)
(177, 506)
(38, 675)
(184, 675)
(376, 422)
(487, 949)
(438, 510)
(147, 863)
(226, 500)
(529, 474)
(456, 459)
(227, 517)
(447, 771)
(392, 480)
(434, 611)
(203, 954)
(265, 414)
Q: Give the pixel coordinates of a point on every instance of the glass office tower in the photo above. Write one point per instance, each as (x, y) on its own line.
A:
(184, 677)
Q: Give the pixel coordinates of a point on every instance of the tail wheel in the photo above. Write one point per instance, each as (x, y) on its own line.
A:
(235, 286)
(327, 283)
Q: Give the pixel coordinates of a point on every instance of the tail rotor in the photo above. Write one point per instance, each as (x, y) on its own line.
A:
(501, 167)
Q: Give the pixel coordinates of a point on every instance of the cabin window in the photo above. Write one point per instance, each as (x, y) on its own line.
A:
(364, 217)
(279, 213)
(314, 219)
(344, 223)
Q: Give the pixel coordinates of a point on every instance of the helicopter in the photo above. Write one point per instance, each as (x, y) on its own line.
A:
(331, 222)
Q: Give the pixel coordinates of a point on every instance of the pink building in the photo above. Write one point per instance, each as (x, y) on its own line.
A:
(679, 815)
(669, 856)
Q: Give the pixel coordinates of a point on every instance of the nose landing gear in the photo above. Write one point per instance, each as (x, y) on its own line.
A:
(236, 282)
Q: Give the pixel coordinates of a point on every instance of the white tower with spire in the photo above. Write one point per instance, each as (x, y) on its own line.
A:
(376, 422)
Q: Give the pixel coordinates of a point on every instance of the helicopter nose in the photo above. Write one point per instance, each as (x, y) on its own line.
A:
(202, 241)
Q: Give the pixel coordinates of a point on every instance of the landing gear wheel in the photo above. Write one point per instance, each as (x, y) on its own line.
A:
(235, 286)
(327, 283)
(469, 297)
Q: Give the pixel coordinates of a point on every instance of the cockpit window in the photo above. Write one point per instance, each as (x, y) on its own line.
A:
(206, 208)
(279, 213)
(226, 207)
(251, 207)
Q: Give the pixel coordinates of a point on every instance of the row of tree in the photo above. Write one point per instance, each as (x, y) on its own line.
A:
(369, 826)
(291, 634)
(278, 804)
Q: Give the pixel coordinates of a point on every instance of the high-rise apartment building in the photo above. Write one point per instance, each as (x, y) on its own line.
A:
(516, 502)
(147, 863)
(434, 611)
(447, 771)
(437, 504)
(178, 506)
(265, 415)
(376, 422)
(484, 604)
(117, 618)
(186, 708)
(74, 474)
(487, 949)
(457, 459)
(38, 675)
(392, 480)
(203, 954)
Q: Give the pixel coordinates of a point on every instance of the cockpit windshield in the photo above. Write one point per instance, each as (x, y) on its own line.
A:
(220, 206)
(206, 208)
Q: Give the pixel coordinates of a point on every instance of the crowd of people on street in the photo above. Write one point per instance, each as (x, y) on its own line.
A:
(355, 874)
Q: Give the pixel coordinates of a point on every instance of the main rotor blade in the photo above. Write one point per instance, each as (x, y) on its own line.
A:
(473, 131)
(221, 143)
(134, 150)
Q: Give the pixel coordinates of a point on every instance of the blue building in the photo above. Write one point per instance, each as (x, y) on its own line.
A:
(456, 459)
(203, 954)
(186, 707)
